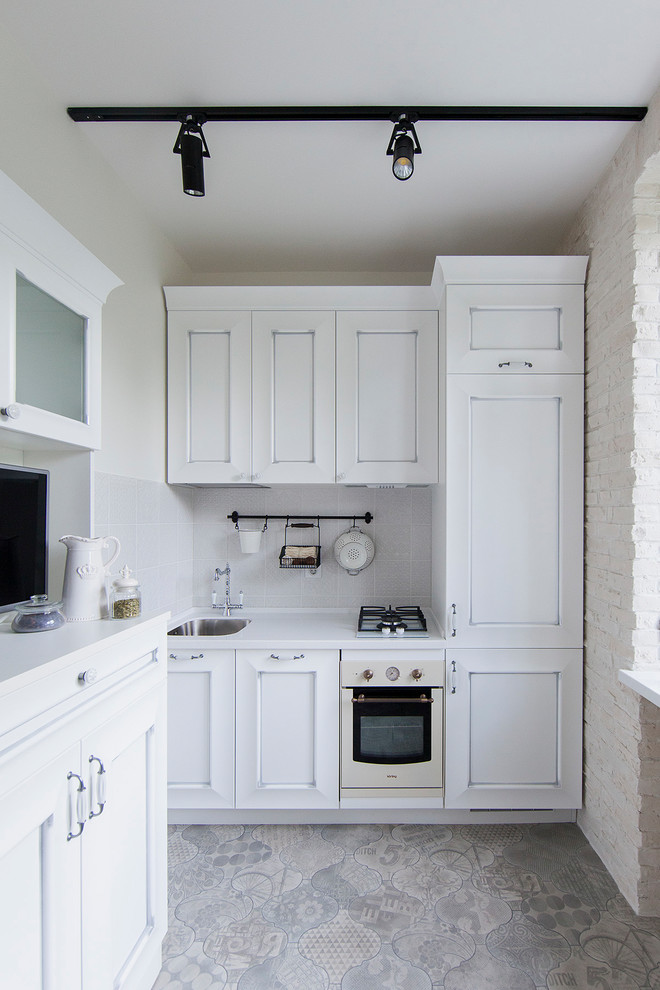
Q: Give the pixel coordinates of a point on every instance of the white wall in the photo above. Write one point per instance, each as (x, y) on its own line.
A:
(44, 152)
(174, 537)
(618, 227)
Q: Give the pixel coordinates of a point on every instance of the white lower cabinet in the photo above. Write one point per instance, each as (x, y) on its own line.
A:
(287, 729)
(82, 828)
(200, 728)
(122, 847)
(40, 940)
(514, 729)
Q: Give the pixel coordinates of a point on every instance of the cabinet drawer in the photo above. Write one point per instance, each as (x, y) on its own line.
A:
(52, 696)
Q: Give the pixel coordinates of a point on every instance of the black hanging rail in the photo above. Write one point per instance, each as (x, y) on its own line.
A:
(235, 516)
(390, 112)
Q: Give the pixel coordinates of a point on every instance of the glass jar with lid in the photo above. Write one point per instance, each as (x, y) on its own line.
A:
(125, 597)
(38, 615)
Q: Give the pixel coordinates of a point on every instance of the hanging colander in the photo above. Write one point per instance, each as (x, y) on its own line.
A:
(354, 550)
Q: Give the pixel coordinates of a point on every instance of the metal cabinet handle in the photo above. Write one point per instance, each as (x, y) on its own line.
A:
(81, 809)
(453, 619)
(296, 656)
(100, 796)
(515, 364)
(362, 700)
(191, 656)
(452, 678)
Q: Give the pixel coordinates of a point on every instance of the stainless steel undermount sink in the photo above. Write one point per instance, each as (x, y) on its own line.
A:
(224, 626)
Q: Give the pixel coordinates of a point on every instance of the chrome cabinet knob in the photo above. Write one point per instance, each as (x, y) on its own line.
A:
(367, 674)
(416, 673)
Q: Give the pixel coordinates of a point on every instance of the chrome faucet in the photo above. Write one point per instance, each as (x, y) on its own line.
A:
(227, 605)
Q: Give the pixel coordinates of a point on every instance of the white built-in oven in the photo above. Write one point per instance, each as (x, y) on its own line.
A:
(392, 721)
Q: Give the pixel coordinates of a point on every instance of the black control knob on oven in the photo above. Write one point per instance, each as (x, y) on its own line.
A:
(416, 673)
(367, 674)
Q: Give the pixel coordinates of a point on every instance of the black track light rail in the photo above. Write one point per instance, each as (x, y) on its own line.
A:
(204, 114)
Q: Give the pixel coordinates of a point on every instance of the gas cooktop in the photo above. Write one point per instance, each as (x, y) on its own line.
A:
(405, 621)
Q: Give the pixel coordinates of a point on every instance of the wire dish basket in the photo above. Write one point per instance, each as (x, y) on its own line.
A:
(295, 554)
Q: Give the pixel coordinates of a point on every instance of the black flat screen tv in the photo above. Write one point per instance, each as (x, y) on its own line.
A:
(23, 534)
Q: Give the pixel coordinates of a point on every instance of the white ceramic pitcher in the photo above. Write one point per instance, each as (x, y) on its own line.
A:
(84, 594)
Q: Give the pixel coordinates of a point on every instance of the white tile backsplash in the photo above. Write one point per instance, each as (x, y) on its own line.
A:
(174, 538)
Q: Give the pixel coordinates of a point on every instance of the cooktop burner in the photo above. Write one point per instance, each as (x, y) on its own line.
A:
(404, 620)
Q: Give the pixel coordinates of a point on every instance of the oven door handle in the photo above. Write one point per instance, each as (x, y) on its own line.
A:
(361, 700)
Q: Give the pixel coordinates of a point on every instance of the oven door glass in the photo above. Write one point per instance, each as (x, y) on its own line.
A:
(391, 725)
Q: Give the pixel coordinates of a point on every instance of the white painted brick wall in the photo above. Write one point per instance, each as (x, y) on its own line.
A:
(619, 227)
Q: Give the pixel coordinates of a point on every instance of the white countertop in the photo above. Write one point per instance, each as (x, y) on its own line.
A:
(23, 655)
(294, 628)
(644, 682)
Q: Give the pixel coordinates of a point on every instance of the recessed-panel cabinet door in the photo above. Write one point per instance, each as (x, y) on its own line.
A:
(200, 729)
(293, 397)
(287, 729)
(40, 872)
(387, 397)
(515, 329)
(514, 729)
(514, 506)
(208, 372)
(124, 907)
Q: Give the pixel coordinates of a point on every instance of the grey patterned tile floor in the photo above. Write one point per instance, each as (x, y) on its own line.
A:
(398, 907)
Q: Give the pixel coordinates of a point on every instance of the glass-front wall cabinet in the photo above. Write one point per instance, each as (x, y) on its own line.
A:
(52, 290)
(51, 349)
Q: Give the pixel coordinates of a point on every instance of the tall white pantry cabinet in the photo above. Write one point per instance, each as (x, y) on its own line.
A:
(513, 564)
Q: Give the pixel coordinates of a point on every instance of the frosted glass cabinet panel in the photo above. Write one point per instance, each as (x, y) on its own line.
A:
(50, 353)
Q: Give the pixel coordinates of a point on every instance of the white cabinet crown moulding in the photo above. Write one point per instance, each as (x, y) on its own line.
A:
(507, 269)
(36, 232)
(188, 298)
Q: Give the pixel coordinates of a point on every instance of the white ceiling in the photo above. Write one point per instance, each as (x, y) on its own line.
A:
(321, 196)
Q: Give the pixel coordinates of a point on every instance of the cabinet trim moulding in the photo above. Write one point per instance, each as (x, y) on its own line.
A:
(508, 270)
(191, 298)
(28, 226)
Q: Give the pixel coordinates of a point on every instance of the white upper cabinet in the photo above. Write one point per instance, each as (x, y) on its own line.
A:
(51, 290)
(293, 397)
(513, 315)
(208, 415)
(387, 397)
(273, 391)
(514, 505)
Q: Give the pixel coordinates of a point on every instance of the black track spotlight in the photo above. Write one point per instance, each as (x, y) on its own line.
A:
(191, 145)
(404, 145)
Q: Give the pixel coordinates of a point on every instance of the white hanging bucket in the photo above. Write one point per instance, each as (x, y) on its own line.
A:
(250, 539)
